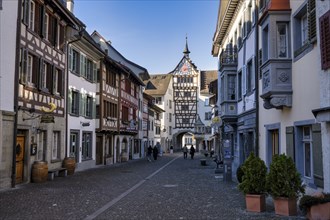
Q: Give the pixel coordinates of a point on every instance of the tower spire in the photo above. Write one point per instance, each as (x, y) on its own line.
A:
(186, 51)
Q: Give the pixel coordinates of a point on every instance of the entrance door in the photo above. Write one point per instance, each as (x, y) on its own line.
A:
(20, 140)
(99, 150)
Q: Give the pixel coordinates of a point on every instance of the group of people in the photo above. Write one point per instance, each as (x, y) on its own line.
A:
(153, 152)
(191, 152)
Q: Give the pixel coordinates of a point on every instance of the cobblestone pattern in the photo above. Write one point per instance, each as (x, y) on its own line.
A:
(182, 190)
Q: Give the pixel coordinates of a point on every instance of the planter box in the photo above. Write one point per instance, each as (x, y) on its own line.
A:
(255, 203)
(319, 212)
(285, 206)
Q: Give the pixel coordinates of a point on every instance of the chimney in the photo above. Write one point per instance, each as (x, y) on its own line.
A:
(70, 5)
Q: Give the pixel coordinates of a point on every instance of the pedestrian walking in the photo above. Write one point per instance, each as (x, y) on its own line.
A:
(192, 152)
(185, 151)
(155, 152)
(149, 152)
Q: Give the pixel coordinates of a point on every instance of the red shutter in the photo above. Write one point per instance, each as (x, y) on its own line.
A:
(325, 40)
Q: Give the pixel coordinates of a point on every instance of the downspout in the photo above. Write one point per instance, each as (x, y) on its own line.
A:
(67, 89)
(16, 82)
(256, 64)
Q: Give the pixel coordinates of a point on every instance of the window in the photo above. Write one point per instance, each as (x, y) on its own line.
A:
(0, 4)
(207, 102)
(42, 145)
(128, 86)
(307, 145)
(45, 76)
(46, 26)
(31, 15)
(158, 100)
(90, 70)
(73, 61)
(74, 145)
(169, 117)
(58, 82)
(157, 130)
(185, 121)
(275, 142)
(56, 146)
(74, 107)
(170, 130)
(86, 145)
(304, 28)
(231, 87)
(89, 106)
(208, 115)
(282, 40)
(249, 77)
(187, 94)
(170, 104)
(185, 107)
(124, 114)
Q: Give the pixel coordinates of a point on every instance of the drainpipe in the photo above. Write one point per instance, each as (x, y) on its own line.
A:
(16, 82)
(256, 64)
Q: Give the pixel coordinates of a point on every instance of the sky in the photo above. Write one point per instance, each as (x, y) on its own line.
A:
(152, 33)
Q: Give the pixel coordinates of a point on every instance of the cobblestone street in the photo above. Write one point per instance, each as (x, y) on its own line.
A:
(169, 188)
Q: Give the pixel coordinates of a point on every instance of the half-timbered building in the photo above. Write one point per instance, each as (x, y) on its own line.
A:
(46, 27)
(185, 97)
(128, 141)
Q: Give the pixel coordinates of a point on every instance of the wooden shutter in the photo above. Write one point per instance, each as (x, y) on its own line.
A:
(325, 40)
(317, 155)
(290, 151)
(93, 109)
(40, 73)
(311, 20)
(50, 28)
(37, 17)
(35, 71)
(49, 77)
(26, 12)
(70, 58)
(55, 32)
(82, 70)
(61, 82)
(42, 21)
(62, 42)
(23, 65)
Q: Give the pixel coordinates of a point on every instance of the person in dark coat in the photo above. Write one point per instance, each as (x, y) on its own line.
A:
(149, 152)
(192, 152)
(155, 152)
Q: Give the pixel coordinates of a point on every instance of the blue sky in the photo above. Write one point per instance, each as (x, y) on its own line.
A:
(152, 33)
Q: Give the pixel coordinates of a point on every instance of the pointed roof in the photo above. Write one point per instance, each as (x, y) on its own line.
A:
(186, 50)
(160, 82)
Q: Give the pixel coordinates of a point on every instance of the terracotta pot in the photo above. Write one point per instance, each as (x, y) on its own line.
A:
(319, 212)
(285, 206)
(255, 203)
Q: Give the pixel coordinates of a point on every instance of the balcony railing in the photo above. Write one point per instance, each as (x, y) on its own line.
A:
(229, 56)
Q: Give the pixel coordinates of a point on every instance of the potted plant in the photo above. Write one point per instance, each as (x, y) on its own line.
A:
(284, 185)
(316, 206)
(253, 183)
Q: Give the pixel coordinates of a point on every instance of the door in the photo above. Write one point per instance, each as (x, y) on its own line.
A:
(99, 150)
(20, 140)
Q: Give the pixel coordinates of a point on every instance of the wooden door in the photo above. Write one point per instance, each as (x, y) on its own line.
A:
(99, 150)
(20, 140)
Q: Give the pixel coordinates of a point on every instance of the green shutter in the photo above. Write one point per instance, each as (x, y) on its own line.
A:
(41, 73)
(289, 131)
(94, 77)
(94, 108)
(69, 108)
(82, 104)
(70, 58)
(317, 155)
(26, 12)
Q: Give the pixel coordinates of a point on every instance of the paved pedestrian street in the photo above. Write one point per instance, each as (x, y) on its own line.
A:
(169, 188)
